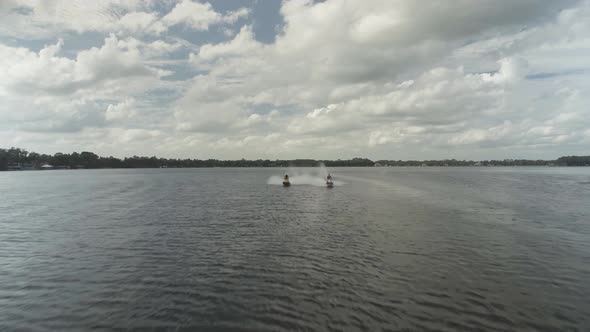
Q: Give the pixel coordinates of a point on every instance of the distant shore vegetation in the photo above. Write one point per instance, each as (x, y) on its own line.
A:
(20, 159)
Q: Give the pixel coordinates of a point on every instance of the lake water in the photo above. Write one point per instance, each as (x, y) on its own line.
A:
(399, 249)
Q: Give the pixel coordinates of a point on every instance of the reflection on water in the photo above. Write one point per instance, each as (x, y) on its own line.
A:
(441, 249)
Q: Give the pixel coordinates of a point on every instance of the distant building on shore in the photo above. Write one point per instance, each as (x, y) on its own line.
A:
(20, 167)
(14, 167)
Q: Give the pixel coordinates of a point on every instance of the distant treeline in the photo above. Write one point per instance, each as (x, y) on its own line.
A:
(574, 161)
(15, 159)
(454, 162)
(563, 161)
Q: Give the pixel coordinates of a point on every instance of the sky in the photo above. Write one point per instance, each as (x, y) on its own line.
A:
(382, 79)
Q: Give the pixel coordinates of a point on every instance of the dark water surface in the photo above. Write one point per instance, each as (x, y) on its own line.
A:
(399, 249)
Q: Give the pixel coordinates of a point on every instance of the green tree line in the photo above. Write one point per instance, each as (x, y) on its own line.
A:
(562, 161)
(574, 161)
(16, 158)
(454, 162)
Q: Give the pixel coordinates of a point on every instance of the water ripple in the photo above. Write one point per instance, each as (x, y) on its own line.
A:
(394, 250)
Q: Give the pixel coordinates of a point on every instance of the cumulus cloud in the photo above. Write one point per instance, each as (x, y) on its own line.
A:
(140, 22)
(200, 16)
(46, 91)
(44, 19)
(242, 44)
(28, 72)
(341, 78)
(123, 110)
(392, 73)
(35, 19)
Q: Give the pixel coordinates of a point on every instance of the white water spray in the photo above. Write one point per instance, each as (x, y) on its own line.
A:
(305, 176)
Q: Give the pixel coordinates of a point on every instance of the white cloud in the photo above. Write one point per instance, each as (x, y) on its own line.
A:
(355, 67)
(150, 50)
(342, 78)
(242, 44)
(200, 16)
(130, 135)
(141, 23)
(121, 111)
(27, 72)
(45, 19)
(48, 92)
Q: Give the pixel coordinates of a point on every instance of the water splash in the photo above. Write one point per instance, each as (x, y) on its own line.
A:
(305, 176)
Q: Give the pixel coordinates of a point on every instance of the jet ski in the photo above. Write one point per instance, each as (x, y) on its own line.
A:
(286, 182)
(329, 182)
